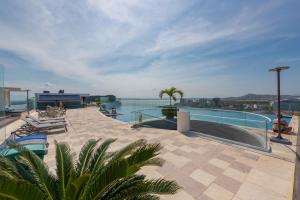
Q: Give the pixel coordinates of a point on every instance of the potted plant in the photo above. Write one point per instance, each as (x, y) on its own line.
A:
(170, 111)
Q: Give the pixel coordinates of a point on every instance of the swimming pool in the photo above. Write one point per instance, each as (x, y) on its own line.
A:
(211, 115)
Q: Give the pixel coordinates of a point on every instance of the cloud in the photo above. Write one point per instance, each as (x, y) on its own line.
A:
(129, 47)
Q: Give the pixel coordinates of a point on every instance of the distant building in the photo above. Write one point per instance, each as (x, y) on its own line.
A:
(102, 98)
(67, 100)
(196, 102)
(288, 105)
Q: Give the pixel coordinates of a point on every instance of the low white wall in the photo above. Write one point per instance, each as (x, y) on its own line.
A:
(183, 122)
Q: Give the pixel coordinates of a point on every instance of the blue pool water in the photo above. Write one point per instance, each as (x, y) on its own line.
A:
(221, 116)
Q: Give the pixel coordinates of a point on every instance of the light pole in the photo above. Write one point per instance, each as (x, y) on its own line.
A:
(27, 100)
(279, 138)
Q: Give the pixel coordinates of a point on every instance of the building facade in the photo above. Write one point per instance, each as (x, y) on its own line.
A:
(66, 100)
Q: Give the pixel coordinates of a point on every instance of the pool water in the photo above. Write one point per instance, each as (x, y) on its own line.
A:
(221, 116)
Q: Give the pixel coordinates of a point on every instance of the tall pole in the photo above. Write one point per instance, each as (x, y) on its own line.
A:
(27, 101)
(278, 105)
(279, 137)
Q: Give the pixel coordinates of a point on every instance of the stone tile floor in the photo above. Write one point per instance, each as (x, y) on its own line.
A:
(205, 169)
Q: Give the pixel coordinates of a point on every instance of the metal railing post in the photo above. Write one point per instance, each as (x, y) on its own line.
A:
(266, 134)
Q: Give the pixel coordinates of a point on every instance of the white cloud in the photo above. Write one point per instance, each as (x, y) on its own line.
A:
(73, 40)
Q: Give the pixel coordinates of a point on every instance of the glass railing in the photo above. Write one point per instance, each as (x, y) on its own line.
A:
(241, 128)
(2, 104)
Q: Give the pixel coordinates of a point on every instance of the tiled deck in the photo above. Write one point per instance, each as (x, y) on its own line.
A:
(205, 169)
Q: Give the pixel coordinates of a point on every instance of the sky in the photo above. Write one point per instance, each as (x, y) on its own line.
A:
(135, 48)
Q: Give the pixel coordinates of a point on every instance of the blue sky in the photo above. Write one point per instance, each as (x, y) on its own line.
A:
(134, 48)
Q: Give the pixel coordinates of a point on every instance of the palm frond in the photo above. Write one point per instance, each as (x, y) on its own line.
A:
(120, 188)
(99, 155)
(85, 156)
(180, 93)
(76, 186)
(142, 156)
(19, 190)
(129, 149)
(108, 174)
(162, 92)
(136, 187)
(171, 92)
(38, 171)
(160, 186)
(64, 165)
(174, 98)
(145, 197)
(8, 168)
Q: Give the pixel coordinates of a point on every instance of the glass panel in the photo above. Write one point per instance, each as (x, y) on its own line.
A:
(2, 105)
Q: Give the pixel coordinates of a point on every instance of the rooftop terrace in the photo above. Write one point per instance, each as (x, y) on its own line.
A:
(206, 169)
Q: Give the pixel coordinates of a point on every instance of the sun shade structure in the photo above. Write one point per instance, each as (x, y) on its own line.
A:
(6, 93)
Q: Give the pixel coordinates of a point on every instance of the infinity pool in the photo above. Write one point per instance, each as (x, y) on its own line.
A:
(221, 116)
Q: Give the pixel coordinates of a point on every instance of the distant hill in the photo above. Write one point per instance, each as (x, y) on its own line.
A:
(260, 97)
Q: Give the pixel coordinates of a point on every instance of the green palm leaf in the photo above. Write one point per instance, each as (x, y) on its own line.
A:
(85, 156)
(76, 186)
(144, 156)
(128, 149)
(64, 165)
(135, 187)
(38, 171)
(118, 190)
(102, 175)
(19, 190)
(99, 156)
(171, 92)
(145, 197)
(110, 173)
(7, 168)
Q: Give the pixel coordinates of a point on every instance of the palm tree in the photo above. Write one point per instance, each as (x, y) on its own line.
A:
(95, 175)
(171, 92)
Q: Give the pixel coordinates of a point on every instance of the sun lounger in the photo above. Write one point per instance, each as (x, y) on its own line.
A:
(45, 121)
(28, 139)
(38, 149)
(52, 125)
(31, 127)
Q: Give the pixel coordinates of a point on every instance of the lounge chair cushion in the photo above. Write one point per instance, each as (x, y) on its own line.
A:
(31, 137)
(38, 149)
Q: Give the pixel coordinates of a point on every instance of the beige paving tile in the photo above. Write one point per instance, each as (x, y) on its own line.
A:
(267, 181)
(181, 195)
(186, 149)
(219, 163)
(178, 161)
(217, 192)
(275, 166)
(170, 147)
(200, 150)
(235, 174)
(228, 183)
(251, 191)
(246, 161)
(150, 172)
(202, 177)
